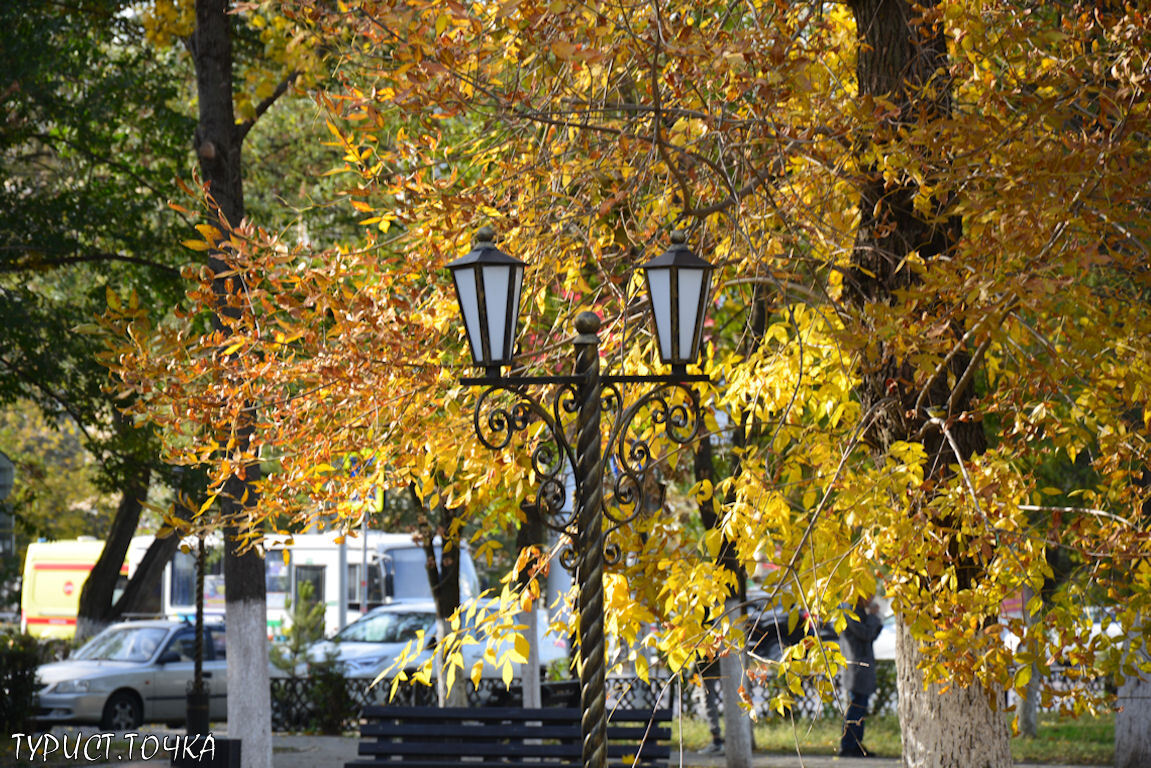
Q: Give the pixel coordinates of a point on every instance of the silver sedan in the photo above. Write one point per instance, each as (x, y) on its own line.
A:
(132, 673)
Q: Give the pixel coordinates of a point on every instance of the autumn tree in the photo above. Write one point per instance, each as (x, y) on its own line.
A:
(938, 212)
(93, 137)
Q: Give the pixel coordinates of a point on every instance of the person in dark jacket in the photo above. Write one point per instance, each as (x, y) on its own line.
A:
(856, 643)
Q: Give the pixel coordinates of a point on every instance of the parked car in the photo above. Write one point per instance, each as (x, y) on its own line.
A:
(768, 632)
(370, 645)
(372, 642)
(131, 673)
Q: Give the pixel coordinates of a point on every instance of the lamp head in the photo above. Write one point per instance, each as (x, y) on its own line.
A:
(488, 286)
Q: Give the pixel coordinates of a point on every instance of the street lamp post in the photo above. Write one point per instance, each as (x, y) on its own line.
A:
(488, 284)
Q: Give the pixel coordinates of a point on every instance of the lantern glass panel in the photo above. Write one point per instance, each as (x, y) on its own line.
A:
(690, 287)
(518, 277)
(468, 293)
(497, 281)
(659, 286)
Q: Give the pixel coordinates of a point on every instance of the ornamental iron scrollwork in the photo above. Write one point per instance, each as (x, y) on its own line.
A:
(637, 485)
(628, 468)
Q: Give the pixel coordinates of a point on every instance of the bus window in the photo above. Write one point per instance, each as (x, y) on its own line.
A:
(356, 589)
(277, 579)
(310, 574)
(409, 574)
(182, 587)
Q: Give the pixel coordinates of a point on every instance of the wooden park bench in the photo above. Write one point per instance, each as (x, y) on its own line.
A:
(503, 737)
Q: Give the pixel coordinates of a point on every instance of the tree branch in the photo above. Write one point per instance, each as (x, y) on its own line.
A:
(38, 264)
(266, 104)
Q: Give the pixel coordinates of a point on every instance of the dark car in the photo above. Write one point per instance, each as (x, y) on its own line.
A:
(770, 629)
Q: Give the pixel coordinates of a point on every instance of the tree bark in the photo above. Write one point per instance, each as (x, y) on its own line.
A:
(906, 62)
(140, 595)
(1133, 721)
(953, 729)
(218, 148)
(737, 736)
(444, 578)
(736, 720)
(531, 535)
(96, 611)
(1029, 704)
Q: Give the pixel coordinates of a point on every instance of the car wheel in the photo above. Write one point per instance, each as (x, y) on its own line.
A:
(121, 712)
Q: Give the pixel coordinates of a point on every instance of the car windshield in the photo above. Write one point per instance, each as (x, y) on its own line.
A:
(123, 644)
(386, 628)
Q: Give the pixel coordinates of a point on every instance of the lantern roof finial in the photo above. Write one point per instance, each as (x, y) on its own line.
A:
(485, 234)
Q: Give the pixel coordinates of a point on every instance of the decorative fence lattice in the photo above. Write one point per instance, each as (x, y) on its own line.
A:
(333, 704)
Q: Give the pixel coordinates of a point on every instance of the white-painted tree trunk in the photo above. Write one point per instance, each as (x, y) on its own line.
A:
(956, 729)
(456, 696)
(736, 721)
(1133, 722)
(531, 674)
(1029, 705)
(249, 690)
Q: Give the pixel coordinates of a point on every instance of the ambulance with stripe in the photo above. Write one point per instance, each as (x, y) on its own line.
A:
(54, 574)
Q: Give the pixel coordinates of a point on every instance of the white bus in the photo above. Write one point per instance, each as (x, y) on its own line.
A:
(384, 567)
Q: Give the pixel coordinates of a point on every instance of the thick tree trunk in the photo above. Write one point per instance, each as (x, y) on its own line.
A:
(444, 579)
(95, 610)
(531, 535)
(736, 720)
(1133, 722)
(218, 147)
(952, 729)
(1029, 704)
(906, 62)
(249, 687)
(737, 736)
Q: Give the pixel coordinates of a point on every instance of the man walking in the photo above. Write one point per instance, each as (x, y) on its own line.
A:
(859, 676)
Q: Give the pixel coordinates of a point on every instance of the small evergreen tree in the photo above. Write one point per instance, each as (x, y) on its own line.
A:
(305, 626)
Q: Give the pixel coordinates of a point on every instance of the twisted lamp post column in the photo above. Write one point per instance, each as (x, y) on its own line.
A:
(590, 520)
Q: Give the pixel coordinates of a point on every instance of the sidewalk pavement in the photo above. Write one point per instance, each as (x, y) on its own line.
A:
(303, 751)
(291, 751)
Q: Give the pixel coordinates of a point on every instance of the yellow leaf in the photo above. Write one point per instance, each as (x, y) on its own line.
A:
(641, 667)
(113, 298)
(441, 23)
(209, 232)
(196, 245)
(522, 650)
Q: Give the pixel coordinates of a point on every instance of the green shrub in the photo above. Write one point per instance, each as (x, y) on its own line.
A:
(332, 706)
(19, 658)
(885, 690)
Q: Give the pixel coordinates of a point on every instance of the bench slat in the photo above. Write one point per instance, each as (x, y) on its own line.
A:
(442, 714)
(464, 748)
(409, 731)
